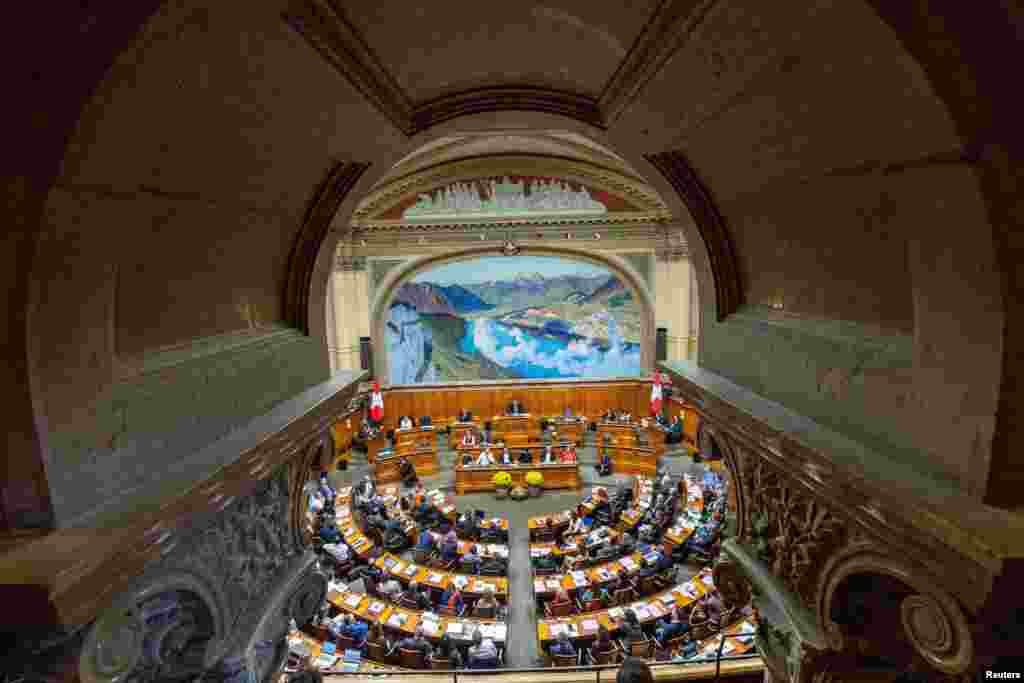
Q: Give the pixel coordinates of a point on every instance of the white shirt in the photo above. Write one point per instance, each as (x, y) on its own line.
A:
(549, 457)
(485, 458)
(406, 423)
(487, 650)
(506, 459)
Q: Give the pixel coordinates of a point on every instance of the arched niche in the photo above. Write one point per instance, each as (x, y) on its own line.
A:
(385, 295)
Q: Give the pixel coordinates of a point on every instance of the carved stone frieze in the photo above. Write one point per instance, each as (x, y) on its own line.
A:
(790, 530)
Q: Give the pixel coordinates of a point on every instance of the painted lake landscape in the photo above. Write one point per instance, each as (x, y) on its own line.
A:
(512, 317)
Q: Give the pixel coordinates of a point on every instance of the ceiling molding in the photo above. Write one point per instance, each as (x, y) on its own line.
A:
(713, 230)
(668, 28)
(385, 197)
(326, 28)
(624, 220)
(315, 227)
(507, 98)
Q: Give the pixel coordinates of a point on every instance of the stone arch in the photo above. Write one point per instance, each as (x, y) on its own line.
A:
(933, 622)
(394, 278)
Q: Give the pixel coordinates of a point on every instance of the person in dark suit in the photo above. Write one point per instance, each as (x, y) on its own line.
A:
(465, 416)
(524, 457)
(426, 421)
(416, 642)
(516, 408)
(632, 631)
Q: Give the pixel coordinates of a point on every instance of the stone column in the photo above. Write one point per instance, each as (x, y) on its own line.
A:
(672, 288)
(350, 291)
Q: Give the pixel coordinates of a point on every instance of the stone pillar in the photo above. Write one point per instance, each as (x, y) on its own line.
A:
(351, 310)
(672, 287)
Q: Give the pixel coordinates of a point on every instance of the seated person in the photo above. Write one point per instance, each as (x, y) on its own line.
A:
(339, 551)
(407, 472)
(469, 439)
(391, 589)
(561, 596)
(449, 549)
(603, 643)
(472, 558)
(426, 421)
(425, 543)
(588, 594)
(516, 408)
(465, 416)
(549, 561)
(467, 524)
(632, 631)
(567, 412)
(656, 565)
(606, 553)
(485, 457)
(604, 465)
(506, 457)
(416, 642)
(568, 455)
(493, 565)
(446, 649)
(671, 628)
(525, 458)
(627, 545)
(563, 646)
(405, 422)
(366, 488)
(487, 602)
(468, 459)
(549, 457)
(482, 652)
(423, 599)
(377, 636)
(329, 532)
(452, 598)
(714, 607)
(357, 630)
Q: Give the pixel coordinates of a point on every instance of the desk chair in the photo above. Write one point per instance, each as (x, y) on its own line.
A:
(644, 649)
(566, 660)
(412, 659)
(440, 663)
(559, 609)
(613, 655)
(378, 652)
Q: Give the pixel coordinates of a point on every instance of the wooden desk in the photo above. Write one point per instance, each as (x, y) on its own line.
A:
(570, 429)
(648, 609)
(472, 585)
(456, 430)
(376, 610)
(375, 446)
(514, 429)
(419, 438)
(641, 460)
(474, 478)
(425, 462)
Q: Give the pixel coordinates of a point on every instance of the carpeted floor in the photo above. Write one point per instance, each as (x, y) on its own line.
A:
(522, 648)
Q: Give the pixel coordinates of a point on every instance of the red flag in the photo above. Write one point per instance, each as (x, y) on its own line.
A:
(376, 403)
(656, 395)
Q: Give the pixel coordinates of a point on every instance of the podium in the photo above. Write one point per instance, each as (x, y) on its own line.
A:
(386, 468)
(513, 430)
(420, 437)
(375, 446)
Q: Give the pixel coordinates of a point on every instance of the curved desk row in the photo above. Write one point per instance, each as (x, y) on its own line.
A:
(481, 478)
(469, 584)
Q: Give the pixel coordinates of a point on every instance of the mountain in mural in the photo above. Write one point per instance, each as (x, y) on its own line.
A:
(426, 297)
(532, 317)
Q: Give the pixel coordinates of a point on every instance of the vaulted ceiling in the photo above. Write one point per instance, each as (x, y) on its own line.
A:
(188, 167)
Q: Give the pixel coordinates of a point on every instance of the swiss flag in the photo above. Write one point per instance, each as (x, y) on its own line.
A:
(376, 403)
(656, 394)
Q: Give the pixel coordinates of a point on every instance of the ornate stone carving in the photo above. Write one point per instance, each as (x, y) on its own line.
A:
(163, 632)
(307, 597)
(732, 584)
(790, 530)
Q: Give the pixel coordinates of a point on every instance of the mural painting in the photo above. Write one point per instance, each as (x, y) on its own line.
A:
(512, 317)
(507, 197)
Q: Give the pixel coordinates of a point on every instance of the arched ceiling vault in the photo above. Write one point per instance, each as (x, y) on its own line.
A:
(172, 177)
